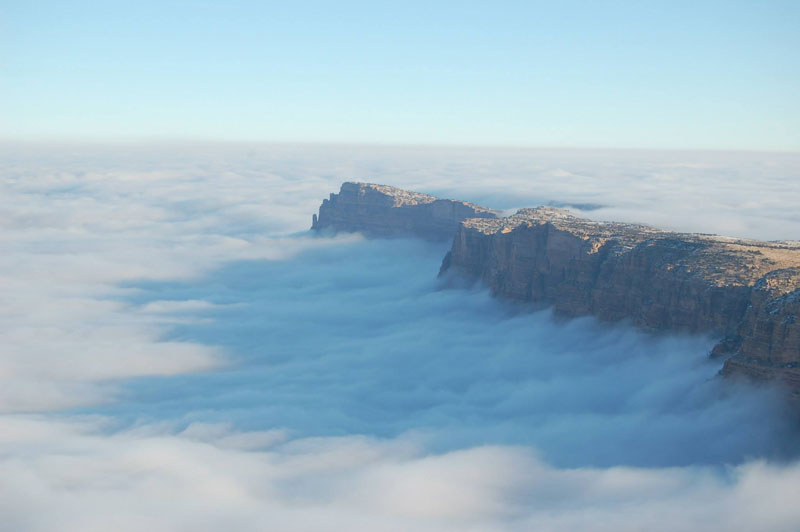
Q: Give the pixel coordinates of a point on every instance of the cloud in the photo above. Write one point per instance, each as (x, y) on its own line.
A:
(363, 338)
(155, 478)
(198, 361)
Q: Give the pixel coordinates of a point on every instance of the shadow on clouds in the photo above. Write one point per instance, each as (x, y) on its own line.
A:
(361, 338)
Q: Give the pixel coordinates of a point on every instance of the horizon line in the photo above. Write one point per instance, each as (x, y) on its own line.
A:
(187, 142)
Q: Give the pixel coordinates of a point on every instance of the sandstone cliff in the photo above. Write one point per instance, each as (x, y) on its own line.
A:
(382, 211)
(766, 343)
(745, 291)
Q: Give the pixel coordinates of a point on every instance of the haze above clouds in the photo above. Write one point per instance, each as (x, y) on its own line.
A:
(179, 353)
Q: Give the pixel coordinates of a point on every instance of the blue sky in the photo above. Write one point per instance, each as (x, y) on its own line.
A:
(714, 74)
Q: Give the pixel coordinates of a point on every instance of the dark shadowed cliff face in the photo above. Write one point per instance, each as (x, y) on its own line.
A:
(382, 211)
(747, 292)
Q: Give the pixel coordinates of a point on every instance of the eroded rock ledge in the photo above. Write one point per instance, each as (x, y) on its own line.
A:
(746, 291)
(383, 211)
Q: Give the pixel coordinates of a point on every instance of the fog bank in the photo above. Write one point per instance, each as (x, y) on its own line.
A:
(178, 352)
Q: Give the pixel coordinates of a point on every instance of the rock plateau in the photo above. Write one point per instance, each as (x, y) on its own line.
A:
(747, 292)
(383, 211)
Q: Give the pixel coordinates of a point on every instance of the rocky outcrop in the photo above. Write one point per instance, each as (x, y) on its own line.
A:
(766, 344)
(746, 292)
(383, 211)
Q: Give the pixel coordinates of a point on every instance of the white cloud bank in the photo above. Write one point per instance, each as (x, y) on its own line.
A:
(72, 477)
(78, 225)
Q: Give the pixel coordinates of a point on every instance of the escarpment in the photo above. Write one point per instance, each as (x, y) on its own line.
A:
(766, 343)
(747, 292)
(383, 211)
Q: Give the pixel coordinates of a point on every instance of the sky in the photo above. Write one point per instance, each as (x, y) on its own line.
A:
(655, 74)
(179, 352)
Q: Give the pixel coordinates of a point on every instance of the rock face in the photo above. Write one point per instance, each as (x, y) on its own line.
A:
(766, 344)
(745, 291)
(382, 211)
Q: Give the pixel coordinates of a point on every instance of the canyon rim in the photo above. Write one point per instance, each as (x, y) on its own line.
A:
(745, 291)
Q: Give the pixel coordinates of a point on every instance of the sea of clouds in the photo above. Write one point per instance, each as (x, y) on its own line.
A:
(177, 352)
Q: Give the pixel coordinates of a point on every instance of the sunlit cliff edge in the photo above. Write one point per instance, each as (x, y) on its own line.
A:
(745, 291)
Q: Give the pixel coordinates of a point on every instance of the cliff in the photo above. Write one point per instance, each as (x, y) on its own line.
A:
(383, 211)
(747, 292)
(766, 343)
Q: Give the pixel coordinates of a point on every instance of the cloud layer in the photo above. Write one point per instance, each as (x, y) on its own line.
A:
(178, 353)
(361, 338)
(73, 477)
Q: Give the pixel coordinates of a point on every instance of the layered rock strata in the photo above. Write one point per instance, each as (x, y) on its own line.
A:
(383, 211)
(766, 343)
(745, 291)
